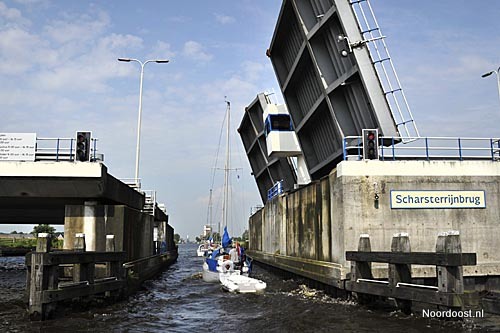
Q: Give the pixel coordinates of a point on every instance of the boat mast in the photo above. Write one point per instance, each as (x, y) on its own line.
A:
(210, 210)
(225, 201)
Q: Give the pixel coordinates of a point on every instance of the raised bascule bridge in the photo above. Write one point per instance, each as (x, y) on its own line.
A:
(347, 180)
(115, 234)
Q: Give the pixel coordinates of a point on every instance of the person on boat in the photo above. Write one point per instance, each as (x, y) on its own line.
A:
(234, 255)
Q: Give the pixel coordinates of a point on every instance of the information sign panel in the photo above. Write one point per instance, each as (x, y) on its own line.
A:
(17, 146)
(437, 199)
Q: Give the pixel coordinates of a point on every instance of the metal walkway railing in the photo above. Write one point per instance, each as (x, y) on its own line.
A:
(62, 149)
(427, 148)
(277, 189)
(150, 203)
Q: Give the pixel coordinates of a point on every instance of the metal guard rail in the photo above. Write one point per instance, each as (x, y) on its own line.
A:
(426, 148)
(61, 149)
(277, 189)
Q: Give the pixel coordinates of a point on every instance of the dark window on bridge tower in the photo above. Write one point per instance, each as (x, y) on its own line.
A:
(370, 144)
(83, 146)
(278, 122)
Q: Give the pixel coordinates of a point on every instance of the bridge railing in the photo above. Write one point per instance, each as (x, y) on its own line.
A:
(150, 202)
(62, 149)
(426, 148)
(277, 189)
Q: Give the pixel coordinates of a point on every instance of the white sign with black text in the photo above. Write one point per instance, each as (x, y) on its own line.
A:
(437, 199)
(17, 146)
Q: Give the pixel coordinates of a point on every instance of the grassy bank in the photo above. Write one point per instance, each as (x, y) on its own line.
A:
(27, 242)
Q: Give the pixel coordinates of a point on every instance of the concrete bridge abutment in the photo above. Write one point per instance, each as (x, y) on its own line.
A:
(308, 231)
(133, 229)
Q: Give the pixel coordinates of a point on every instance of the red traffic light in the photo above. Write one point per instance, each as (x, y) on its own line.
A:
(370, 144)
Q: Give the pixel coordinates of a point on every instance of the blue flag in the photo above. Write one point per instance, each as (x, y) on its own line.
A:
(215, 254)
(226, 240)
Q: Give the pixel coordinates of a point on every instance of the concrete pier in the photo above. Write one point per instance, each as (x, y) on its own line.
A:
(92, 205)
(309, 229)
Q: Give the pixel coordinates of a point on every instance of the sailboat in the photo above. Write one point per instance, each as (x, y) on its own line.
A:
(224, 265)
(218, 262)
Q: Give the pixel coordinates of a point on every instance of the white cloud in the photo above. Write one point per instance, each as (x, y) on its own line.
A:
(21, 51)
(90, 70)
(10, 17)
(224, 19)
(31, 2)
(77, 28)
(253, 70)
(195, 51)
(9, 13)
(161, 50)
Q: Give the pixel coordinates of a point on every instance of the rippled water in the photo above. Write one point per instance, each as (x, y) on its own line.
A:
(179, 301)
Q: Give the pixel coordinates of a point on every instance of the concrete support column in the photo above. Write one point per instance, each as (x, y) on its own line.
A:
(88, 219)
(94, 226)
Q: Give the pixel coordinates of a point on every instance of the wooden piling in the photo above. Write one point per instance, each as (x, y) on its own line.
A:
(363, 269)
(448, 260)
(46, 287)
(79, 242)
(42, 277)
(112, 268)
(400, 272)
(110, 243)
(450, 278)
(84, 271)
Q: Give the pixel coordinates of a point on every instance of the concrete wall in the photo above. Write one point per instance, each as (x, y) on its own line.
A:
(169, 237)
(324, 219)
(297, 224)
(255, 230)
(303, 213)
(133, 230)
(271, 225)
(479, 228)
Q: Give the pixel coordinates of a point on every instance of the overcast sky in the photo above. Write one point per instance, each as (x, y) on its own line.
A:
(59, 74)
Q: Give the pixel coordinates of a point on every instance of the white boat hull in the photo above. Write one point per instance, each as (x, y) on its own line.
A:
(225, 269)
(211, 277)
(243, 284)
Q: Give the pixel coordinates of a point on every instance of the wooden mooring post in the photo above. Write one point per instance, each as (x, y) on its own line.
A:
(399, 285)
(47, 285)
(41, 277)
(400, 273)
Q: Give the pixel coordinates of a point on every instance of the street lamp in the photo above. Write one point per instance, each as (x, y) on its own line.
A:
(158, 61)
(498, 77)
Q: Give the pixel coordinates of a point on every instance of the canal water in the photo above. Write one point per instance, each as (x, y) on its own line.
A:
(179, 301)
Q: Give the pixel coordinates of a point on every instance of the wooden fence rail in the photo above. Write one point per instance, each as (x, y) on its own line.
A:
(61, 275)
(448, 260)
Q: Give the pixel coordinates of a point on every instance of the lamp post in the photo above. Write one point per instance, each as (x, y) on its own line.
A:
(498, 77)
(138, 148)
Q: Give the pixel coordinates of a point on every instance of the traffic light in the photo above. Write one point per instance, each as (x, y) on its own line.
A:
(370, 144)
(83, 146)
